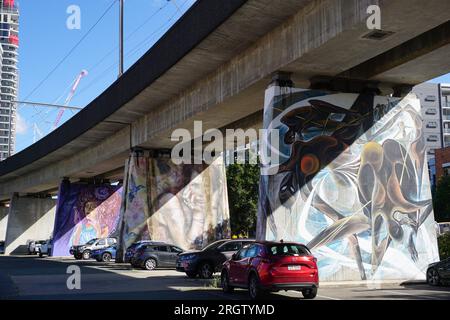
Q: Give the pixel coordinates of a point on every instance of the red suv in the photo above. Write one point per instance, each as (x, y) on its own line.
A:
(272, 266)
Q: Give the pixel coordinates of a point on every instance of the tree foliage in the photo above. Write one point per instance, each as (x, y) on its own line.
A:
(444, 246)
(243, 189)
(441, 200)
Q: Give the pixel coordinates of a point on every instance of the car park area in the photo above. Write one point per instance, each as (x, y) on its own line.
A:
(31, 277)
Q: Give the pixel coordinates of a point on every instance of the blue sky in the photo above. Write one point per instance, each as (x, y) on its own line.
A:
(45, 40)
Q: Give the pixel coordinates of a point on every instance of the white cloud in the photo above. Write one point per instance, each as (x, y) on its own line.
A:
(21, 125)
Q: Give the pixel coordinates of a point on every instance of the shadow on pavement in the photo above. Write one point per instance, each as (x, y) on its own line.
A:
(41, 279)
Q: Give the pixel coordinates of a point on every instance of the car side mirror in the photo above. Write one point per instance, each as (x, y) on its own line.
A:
(234, 256)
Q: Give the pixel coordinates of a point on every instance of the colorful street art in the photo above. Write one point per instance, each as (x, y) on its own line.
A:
(351, 182)
(84, 212)
(185, 205)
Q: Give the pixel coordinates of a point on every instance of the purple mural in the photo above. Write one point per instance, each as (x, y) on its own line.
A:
(84, 212)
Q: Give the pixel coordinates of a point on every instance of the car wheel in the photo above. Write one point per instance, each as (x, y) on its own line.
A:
(191, 274)
(254, 288)
(433, 277)
(86, 254)
(40, 254)
(106, 257)
(309, 293)
(150, 264)
(225, 281)
(206, 270)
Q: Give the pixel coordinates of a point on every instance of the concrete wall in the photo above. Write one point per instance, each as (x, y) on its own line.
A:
(3, 221)
(29, 219)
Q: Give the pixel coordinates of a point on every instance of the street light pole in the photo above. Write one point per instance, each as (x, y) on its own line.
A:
(121, 38)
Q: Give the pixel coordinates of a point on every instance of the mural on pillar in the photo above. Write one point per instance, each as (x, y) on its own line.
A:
(84, 212)
(351, 183)
(185, 205)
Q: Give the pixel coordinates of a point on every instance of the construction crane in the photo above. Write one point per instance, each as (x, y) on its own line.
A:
(82, 74)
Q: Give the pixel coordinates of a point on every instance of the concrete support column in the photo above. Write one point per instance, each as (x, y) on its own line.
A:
(29, 218)
(3, 221)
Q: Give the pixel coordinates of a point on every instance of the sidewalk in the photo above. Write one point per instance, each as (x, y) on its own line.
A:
(369, 283)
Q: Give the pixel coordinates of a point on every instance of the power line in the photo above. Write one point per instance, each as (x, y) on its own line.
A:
(131, 34)
(70, 51)
(135, 49)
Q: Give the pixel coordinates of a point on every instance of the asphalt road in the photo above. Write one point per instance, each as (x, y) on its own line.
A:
(30, 277)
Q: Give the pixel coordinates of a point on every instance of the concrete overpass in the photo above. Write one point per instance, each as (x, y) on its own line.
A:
(214, 64)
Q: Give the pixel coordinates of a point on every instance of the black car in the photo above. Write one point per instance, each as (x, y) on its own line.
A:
(131, 250)
(209, 260)
(155, 255)
(438, 272)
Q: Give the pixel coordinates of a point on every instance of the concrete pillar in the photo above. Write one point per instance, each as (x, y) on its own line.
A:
(185, 205)
(3, 221)
(30, 218)
(337, 186)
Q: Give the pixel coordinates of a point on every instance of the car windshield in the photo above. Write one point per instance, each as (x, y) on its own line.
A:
(91, 241)
(288, 250)
(213, 245)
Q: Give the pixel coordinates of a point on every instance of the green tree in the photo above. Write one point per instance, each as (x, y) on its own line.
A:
(444, 246)
(441, 200)
(243, 189)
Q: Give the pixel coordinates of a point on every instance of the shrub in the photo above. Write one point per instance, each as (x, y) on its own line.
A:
(444, 246)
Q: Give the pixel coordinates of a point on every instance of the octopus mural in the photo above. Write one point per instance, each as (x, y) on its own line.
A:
(186, 205)
(84, 212)
(351, 183)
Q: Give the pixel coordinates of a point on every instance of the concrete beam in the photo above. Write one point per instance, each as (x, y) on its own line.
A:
(320, 37)
(29, 218)
(410, 50)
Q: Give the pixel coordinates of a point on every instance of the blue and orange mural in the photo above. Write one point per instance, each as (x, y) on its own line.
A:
(351, 183)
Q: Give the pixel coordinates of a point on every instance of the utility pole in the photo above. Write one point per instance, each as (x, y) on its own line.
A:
(10, 129)
(120, 38)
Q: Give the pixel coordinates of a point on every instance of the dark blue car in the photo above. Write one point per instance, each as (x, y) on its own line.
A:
(104, 254)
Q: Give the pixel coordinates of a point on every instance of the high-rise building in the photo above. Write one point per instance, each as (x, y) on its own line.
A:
(9, 42)
(445, 106)
(435, 102)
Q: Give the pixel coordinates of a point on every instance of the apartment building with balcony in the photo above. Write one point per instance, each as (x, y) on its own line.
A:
(9, 77)
(445, 107)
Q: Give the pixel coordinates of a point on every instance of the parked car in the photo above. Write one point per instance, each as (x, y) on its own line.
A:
(37, 245)
(209, 260)
(444, 227)
(84, 251)
(2, 247)
(31, 246)
(438, 272)
(131, 250)
(44, 248)
(105, 254)
(152, 256)
(272, 266)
